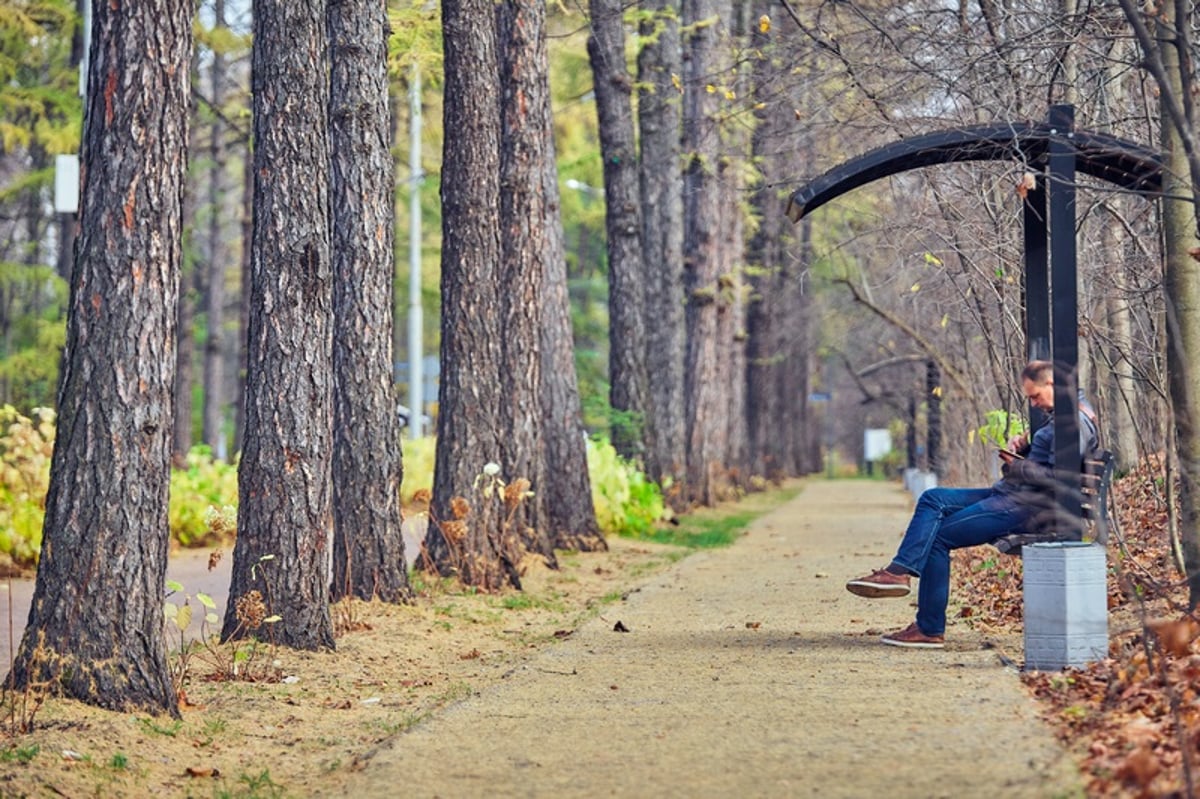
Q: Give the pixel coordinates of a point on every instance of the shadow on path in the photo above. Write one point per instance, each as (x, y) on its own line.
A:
(747, 671)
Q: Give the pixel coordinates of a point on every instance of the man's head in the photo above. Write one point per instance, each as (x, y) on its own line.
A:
(1037, 381)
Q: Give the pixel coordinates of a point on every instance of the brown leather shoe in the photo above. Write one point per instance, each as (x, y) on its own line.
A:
(880, 583)
(912, 637)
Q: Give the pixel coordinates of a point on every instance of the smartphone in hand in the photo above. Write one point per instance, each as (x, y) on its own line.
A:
(1009, 455)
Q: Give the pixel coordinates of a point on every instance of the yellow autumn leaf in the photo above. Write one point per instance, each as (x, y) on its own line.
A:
(915, 288)
(932, 259)
(676, 82)
(764, 23)
(710, 89)
(759, 106)
(937, 391)
(945, 319)
(730, 95)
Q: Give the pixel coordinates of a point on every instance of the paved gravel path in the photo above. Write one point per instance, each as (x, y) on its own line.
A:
(747, 672)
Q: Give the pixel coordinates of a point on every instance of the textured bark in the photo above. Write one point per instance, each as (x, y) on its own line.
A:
(239, 399)
(467, 536)
(284, 482)
(661, 191)
(181, 435)
(1182, 286)
(777, 357)
(707, 374)
(570, 514)
(731, 326)
(213, 427)
(95, 628)
(525, 94)
(618, 151)
(1120, 390)
(368, 549)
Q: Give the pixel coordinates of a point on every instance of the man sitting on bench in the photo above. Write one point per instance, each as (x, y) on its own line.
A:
(952, 518)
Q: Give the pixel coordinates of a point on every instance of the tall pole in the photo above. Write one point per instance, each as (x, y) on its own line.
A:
(416, 370)
(1064, 312)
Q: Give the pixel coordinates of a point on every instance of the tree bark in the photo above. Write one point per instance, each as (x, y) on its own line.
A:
(213, 424)
(706, 372)
(661, 193)
(618, 150)
(1182, 287)
(95, 629)
(368, 549)
(777, 347)
(467, 536)
(525, 96)
(570, 513)
(284, 479)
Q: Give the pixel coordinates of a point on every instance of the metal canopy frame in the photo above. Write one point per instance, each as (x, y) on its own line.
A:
(1055, 153)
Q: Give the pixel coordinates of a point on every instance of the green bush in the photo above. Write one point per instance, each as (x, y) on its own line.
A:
(627, 502)
(203, 496)
(203, 499)
(26, 445)
(418, 467)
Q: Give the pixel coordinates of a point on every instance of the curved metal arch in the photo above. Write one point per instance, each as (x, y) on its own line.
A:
(1118, 161)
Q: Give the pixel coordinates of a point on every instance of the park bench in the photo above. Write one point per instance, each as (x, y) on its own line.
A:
(1095, 481)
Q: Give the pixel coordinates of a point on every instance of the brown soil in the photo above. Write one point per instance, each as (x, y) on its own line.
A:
(747, 671)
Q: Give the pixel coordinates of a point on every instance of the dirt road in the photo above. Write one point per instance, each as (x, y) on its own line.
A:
(746, 672)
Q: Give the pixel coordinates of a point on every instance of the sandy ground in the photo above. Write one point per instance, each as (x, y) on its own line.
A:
(746, 672)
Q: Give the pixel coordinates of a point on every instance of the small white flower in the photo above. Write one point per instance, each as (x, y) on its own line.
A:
(491, 469)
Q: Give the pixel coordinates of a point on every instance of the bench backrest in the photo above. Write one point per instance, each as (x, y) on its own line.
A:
(1094, 484)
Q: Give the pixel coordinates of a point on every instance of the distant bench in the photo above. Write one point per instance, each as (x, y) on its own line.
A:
(1094, 483)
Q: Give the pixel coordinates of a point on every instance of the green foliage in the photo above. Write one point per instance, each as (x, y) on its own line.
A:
(19, 754)
(418, 460)
(203, 500)
(40, 106)
(702, 531)
(999, 426)
(29, 368)
(627, 502)
(26, 446)
(416, 39)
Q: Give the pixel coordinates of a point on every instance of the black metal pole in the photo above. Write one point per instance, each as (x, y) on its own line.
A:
(1064, 314)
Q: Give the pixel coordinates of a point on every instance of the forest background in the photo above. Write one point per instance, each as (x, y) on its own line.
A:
(714, 344)
(925, 266)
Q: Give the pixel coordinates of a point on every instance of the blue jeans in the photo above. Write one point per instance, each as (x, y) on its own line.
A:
(946, 519)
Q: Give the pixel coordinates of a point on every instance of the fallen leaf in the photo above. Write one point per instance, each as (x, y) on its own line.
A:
(197, 771)
(1026, 184)
(620, 627)
(1140, 767)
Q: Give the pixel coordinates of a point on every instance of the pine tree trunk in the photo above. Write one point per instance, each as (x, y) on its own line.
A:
(284, 479)
(466, 536)
(618, 150)
(368, 549)
(213, 427)
(525, 93)
(706, 371)
(95, 628)
(661, 190)
(570, 513)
